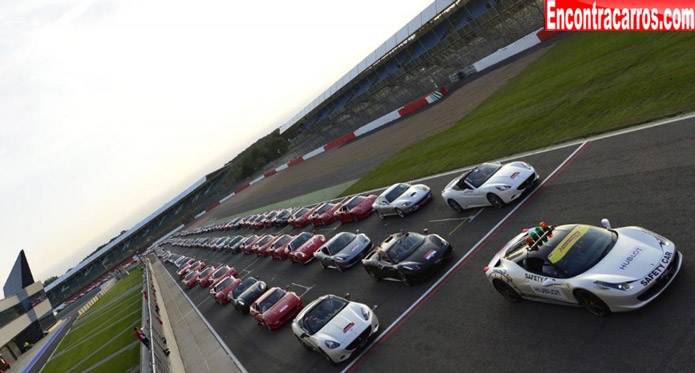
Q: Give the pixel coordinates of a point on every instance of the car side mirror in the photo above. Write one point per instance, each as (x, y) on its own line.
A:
(552, 282)
(347, 296)
(357, 231)
(303, 335)
(606, 223)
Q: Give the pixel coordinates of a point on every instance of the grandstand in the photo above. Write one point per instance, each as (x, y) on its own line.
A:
(440, 42)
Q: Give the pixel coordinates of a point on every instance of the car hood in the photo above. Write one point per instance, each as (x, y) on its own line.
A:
(340, 330)
(428, 253)
(285, 303)
(635, 254)
(414, 194)
(512, 174)
(354, 247)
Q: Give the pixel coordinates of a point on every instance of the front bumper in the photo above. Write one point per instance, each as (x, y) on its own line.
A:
(344, 352)
(419, 204)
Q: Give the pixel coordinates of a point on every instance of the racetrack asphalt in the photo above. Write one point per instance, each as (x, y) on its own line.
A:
(642, 178)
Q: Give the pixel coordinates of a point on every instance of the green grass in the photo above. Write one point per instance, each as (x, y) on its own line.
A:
(588, 83)
(83, 340)
(133, 279)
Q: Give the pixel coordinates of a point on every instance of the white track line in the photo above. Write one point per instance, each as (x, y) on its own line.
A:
(212, 330)
(464, 257)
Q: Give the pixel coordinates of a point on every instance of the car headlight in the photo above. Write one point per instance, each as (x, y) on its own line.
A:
(406, 204)
(412, 267)
(341, 257)
(241, 303)
(331, 344)
(365, 313)
(624, 286)
(301, 254)
(502, 187)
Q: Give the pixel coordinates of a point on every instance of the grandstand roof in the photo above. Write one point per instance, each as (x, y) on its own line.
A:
(124, 236)
(391, 43)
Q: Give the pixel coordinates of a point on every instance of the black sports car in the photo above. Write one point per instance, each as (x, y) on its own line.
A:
(407, 257)
(246, 293)
(282, 218)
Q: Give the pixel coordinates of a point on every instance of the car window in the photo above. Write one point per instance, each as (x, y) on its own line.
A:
(355, 201)
(404, 247)
(396, 192)
(479, 175)
(322, 313)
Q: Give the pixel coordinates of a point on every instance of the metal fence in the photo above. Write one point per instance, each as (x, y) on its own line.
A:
(158, 354)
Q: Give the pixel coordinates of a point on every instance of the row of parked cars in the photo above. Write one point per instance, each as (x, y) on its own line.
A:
(331, 325)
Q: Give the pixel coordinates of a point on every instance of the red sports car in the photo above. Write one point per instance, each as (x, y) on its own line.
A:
(269, 219)
(247, 244)
(300, 219)
(220, 291)
(261, 243)
(258, 223)
(276, 307)
(208, 271)
(191, 279)
(216, 275)
(269, 247)
(356, 208)
(196, 266)
(305, 253)
(323, 215)
(277, 249)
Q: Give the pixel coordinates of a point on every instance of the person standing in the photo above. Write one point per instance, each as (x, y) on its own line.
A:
(142, 337)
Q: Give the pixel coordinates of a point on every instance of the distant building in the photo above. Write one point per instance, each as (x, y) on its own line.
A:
(25, 312)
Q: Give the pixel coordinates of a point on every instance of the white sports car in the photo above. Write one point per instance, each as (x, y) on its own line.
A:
(401, 199)
(490, 184)
(335, 327)
(603, 270)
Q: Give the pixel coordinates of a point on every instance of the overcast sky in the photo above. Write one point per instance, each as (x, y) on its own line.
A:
(109, 109)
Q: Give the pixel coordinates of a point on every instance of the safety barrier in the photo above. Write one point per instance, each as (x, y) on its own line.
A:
(158, 354)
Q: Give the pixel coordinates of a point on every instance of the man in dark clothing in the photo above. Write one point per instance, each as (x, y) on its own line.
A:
(142, 337)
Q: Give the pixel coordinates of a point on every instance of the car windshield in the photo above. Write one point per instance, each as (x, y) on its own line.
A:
(323, 209)
(282, 240)
(301, 212)
(264, 240)
(479, 175)
(247, 283)
(299, 241)
(270, 300)
(574, 249)
(191, 275)
(339, 242)
(355, 201)
(223, 284)
(396, 192)
(322, 313)
(206, 272)
(250, 239)
(404, 246)
(219, 273)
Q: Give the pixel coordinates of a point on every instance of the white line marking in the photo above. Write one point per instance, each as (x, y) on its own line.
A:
(201, 303)
(464, 257)
(252, 263)
(452, 219)
(212, 330)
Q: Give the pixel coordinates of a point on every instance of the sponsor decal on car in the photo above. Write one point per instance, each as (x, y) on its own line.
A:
(630, 258)
(430, 254)
(658, 270)
(548, 292)
(514, 175)
(284, 308)
(348, 327)
(566, 244)
(531, 276)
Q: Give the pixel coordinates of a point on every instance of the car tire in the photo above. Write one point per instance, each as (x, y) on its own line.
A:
(323, 266)
(374, 275)
(380, 215)
(404, 279)
(592, 303)
(506, 291)
(454, 206)
(495, 200)
(338, 267)
(400, 213)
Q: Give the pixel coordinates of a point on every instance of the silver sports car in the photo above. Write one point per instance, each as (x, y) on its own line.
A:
(401, 199)
(344, 250)
(490, 184)
(603, 270)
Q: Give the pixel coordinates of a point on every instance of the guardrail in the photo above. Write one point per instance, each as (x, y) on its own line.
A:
(158, 360)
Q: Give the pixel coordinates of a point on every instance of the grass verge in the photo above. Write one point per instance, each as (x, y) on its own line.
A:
(588, 83)
(133, 279)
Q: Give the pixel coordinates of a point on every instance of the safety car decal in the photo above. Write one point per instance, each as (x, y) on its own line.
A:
(566, 244)
(548, 292)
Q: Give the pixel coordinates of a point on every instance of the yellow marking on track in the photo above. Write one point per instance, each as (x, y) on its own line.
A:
(466, 220)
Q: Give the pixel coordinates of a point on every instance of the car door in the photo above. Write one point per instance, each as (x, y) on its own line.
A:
(323, 256)
(539, 285)
(384, 266)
